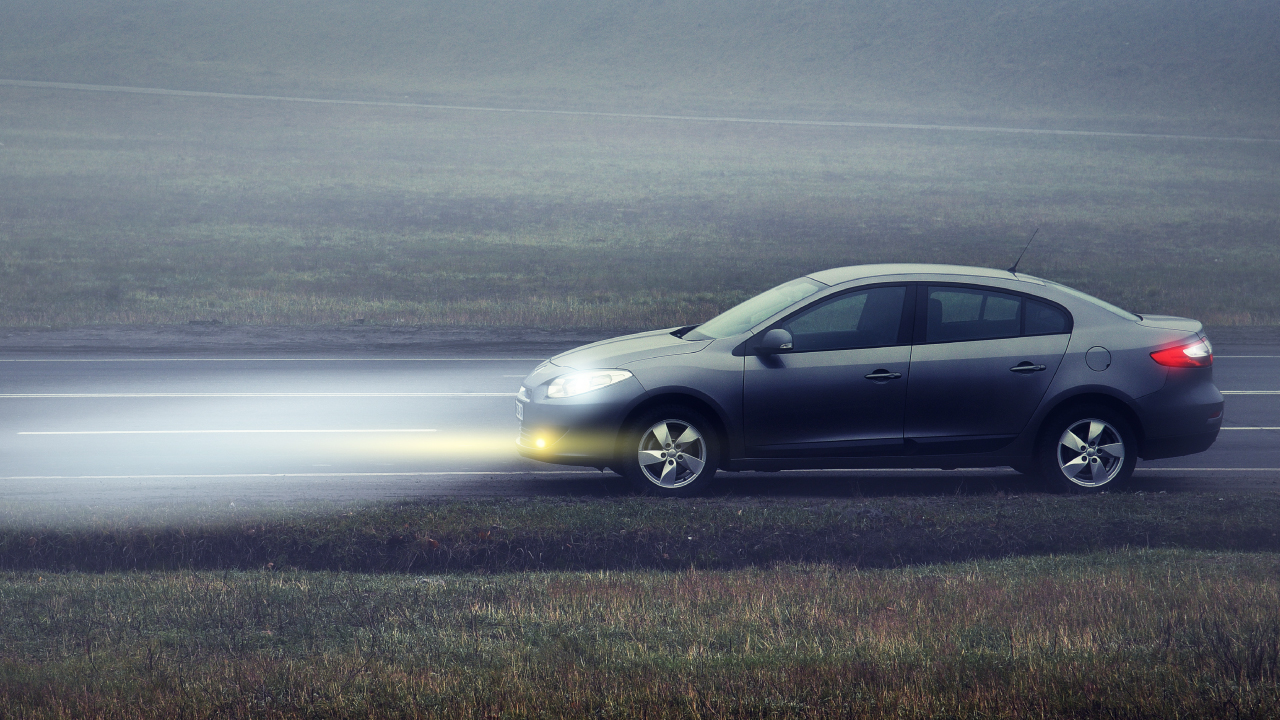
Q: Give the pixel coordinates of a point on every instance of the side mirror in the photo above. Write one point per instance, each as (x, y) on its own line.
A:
(775, 341)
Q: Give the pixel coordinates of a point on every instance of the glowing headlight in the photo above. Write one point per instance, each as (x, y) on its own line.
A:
(583, 382)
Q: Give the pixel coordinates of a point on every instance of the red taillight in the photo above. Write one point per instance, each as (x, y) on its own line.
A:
(1197, 354)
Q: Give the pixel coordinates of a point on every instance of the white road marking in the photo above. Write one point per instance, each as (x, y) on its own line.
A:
(216, 432)
(1234, 357)
(304, 475)
(1205, 469)
(504, 473)
(250, 395)
(1250, 428)
(273, 359)
(1250, 392)
(630, 116)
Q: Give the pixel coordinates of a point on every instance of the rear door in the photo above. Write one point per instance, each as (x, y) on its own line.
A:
(841, 389)
(983, 359)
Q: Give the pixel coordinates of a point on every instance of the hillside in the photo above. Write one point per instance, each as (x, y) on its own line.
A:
(1161, 65)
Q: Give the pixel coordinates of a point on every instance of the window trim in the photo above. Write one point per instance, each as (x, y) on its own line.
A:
(905, 322)
(922, 312)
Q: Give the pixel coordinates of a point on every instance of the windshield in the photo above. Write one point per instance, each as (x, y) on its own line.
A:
(1100, 303)
(741, 318)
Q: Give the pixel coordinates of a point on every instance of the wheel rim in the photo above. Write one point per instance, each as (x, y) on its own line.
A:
(672, 454)
(1091, 453)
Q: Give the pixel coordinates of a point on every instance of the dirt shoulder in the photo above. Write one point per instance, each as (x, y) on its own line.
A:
(253, 340)
(250, 340)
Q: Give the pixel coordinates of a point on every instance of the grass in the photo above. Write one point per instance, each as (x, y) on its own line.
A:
(120, 209)
(1165, 65)
(629, 533)
(1134, 633)
(1006, 606)
(134, 209)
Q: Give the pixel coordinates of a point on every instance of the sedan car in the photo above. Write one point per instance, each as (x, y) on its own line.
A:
(883, 366)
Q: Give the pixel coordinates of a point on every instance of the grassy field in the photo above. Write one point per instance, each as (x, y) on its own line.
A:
(128, 209)
(628, 533)
(1165, 65)
(138, 209)
(1135, 634)
(998, 606)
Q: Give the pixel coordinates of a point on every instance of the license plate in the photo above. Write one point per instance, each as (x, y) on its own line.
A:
(519, 410)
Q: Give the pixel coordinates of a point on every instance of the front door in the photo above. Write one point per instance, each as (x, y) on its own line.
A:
(841, 390)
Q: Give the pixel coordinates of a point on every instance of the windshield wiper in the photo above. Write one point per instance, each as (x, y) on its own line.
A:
(681, 332)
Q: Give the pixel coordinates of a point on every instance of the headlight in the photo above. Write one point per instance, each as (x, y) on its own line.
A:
(584, 382)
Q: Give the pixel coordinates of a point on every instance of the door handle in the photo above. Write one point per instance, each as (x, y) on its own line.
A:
(1026, 367)
(882, 374)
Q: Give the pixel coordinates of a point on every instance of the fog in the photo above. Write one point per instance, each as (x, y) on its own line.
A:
(446, 202)
(599, 167)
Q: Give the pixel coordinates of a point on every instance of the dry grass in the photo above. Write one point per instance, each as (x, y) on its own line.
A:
(1129, 634)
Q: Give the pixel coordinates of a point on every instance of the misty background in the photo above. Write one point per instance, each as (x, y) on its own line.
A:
(137, 209)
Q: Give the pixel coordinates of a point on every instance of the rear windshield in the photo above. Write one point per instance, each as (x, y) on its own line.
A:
(1100, 303)
(741, 318)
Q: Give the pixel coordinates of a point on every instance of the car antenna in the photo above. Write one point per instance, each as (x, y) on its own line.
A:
(1014, 269)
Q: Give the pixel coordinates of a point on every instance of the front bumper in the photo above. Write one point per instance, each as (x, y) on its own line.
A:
(581, 430)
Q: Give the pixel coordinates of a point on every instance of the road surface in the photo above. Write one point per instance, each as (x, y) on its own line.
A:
(93, 428)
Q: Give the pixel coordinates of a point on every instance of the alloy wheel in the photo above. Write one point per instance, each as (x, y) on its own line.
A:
(1091, 453)
(672, 453)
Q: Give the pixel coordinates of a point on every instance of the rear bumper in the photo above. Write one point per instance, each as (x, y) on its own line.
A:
(1160, 448)
(1183, 417)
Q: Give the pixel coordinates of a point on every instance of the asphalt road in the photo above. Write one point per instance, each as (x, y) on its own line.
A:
(89, 429)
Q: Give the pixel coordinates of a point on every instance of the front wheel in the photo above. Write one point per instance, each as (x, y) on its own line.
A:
(670, 452)
(1089, 450)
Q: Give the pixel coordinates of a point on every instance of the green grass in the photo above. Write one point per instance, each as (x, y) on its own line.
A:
(1005, 606)
(1135, 634)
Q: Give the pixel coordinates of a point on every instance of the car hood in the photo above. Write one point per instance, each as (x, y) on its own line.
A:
(1170, 322)
(619, 351)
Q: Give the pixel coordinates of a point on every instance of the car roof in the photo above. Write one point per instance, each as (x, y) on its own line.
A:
(837, 276)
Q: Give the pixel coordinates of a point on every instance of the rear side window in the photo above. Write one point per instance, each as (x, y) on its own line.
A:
(1045, 319)
(955, 314)
(870, 318)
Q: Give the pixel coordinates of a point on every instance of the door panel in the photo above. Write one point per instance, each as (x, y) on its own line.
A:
(805, 402)
(817, 399)
(970, 389)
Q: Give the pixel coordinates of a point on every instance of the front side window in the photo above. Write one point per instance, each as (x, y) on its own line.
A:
(870, 318)
(957, 314)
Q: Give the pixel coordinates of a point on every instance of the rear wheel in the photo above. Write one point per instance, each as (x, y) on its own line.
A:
(670, 452)
(1087, 450)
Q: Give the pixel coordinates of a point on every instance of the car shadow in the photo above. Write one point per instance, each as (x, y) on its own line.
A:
(822, 484)
(877, 483)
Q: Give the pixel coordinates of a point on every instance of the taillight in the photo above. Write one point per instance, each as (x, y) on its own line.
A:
(1197, 354)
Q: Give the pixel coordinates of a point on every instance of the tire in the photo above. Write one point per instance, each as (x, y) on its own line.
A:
(1087, 450)
(670, 451)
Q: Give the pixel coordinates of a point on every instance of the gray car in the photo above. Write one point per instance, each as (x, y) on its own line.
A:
(883, 366)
